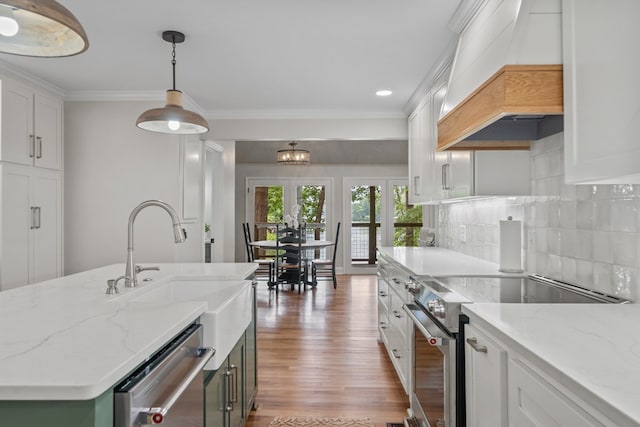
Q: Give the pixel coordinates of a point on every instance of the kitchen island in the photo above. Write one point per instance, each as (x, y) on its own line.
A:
(64, 343)
(562, 364)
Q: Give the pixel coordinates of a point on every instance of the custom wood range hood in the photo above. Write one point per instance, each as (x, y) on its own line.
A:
(519, 103)
(505, 85)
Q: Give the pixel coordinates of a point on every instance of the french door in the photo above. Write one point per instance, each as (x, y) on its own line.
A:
(377, 213)
(278, 200)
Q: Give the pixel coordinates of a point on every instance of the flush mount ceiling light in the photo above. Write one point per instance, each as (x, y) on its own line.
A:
(384, 92)
(293, 156)
(40, 28)
(172, 118)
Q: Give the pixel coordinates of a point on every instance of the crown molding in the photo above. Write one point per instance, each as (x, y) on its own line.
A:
(441, 67)
(131, 96)
(11, 71)
(301, 114)
(466, 11)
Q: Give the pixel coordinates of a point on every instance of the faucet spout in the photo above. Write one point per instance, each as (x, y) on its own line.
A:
(178, 234)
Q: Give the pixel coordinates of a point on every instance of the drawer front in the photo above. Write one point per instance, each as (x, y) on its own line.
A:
(399, 354)
(535, 403)
(383, 293)
(398, 316)
(383, 324)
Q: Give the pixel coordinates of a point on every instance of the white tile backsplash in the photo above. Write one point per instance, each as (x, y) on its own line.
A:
(583, 234)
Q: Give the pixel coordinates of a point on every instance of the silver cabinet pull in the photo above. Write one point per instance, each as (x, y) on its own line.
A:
(383, 294)
(32, 147)
(35, 217)
(156, 415)
(234, 370)
(39, 147)
(395, 353)
(383, 325)
(416, 185)
(445, 176)
(397, 314)
(473, 342)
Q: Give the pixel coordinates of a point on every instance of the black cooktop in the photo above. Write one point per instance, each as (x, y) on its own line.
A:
(527, 290)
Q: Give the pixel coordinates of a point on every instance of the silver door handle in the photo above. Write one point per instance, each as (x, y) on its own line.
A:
(473, 342)
(39, 147)
(234, 373)
(156, 415)
(32, 146)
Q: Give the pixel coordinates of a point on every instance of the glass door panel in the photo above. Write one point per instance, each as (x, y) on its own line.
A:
(268, 208)
(407, 219)
(312, 200)
(365, 223)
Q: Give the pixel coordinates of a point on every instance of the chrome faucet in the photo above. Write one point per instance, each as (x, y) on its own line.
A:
(132, 269)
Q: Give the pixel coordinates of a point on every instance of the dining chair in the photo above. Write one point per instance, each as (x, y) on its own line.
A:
(291, 267)
(266, 266)
(326, 268)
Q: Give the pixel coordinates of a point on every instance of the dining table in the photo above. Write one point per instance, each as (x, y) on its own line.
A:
(292, 247)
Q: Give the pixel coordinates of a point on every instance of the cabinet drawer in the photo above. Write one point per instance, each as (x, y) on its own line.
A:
(383, 293)
(398, 317)
(383, 323)
(399, 354)
(533, 402)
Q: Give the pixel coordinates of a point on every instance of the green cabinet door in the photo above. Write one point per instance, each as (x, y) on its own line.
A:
(236, 385)
(215, 402)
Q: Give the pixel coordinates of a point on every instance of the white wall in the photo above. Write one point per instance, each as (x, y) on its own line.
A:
(110, 167)
(335, 172)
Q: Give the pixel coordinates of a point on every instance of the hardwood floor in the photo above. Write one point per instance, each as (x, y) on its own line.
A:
(318, 355)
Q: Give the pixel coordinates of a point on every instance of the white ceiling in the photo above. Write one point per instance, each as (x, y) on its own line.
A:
(258, 57)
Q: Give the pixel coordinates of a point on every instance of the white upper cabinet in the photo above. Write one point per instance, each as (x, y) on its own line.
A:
(601, 91)
(419, 153)
(31, 124)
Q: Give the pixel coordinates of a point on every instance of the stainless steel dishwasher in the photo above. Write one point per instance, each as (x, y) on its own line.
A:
(167, 389)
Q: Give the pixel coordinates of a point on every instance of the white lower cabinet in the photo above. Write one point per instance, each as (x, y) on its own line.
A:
(394, 327)
(486, 380)
(504, 388)
(31, 225)
(533, 402)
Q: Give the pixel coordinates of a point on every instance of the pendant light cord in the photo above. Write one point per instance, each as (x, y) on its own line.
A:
(173, 61)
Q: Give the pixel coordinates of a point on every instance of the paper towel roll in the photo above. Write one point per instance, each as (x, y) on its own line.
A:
(511, 246)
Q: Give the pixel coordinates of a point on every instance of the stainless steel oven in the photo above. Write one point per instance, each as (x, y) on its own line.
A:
(167, 389)
(434, 361)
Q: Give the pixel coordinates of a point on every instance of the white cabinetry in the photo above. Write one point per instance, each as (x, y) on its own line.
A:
(602, 106)
(486, 381)
(437, 176)
(31, 225)
(394, 327)
(31, 123)
(504, 388)
(420, 153)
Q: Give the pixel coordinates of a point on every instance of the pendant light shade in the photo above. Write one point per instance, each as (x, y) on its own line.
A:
(172, 118)
(293, 156)
(40, 28)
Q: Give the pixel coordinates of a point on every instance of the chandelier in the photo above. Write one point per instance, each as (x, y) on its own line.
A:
(293, 156)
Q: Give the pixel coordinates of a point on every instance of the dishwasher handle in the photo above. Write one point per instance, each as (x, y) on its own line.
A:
(156, 415)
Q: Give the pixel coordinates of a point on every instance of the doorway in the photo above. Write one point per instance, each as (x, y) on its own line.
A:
(377, 214)
(213, 217)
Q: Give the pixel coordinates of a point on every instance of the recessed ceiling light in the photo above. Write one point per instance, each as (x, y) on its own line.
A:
(385, 92)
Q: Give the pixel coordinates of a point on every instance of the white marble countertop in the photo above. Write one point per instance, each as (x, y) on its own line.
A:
(439, 262)
(64, 339)
(592, 349)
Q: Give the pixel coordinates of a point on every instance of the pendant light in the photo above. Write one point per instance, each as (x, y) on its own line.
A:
(40, 28)
(172, 118)
(293, 156)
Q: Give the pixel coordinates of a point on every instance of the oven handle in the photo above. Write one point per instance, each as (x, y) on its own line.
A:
(156, 415)
(431, 339)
